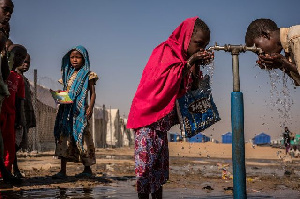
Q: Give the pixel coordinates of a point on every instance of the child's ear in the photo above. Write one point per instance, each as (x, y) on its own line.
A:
(265, 34)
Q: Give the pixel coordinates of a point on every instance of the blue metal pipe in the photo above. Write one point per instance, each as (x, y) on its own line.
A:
(238, 146)
(237, 120)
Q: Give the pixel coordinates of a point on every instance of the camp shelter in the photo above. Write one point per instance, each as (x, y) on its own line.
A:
(200, 137)
(262, 139)
(227, 138)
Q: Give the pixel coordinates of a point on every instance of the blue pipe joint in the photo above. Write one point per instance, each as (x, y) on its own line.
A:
(238, 145)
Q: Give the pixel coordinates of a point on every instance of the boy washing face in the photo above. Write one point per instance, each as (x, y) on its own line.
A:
(265, 34)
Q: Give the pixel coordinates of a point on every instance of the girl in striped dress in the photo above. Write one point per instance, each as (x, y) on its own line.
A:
(73, 139)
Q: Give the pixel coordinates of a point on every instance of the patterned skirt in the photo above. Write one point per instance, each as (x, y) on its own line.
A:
(151, 159)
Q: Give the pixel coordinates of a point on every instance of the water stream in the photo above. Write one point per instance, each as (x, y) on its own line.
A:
(209, 70)
(280, 98)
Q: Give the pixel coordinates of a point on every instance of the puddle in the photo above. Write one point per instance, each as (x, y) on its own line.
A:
(115, 157)
(114, 192)
(230, 196)
(123, 187)
(98, 192)
(199, 166)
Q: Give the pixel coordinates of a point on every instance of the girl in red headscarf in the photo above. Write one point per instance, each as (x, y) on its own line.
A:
(165, 78)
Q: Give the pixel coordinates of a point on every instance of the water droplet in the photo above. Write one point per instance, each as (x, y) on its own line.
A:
(280, 96)
(209, 70)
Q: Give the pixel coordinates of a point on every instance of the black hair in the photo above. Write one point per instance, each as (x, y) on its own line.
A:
(200, 25)
(258, 27)
(8, 0)
(16, 46)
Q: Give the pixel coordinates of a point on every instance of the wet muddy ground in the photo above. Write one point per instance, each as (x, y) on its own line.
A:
(190, 177)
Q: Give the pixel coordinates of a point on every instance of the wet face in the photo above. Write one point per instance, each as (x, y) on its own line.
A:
(26, 64)
(76, 59)
(269, 43)
(6, 10)
(19, 54)
(198, 42)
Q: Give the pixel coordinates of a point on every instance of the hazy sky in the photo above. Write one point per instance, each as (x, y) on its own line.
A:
(121, 34)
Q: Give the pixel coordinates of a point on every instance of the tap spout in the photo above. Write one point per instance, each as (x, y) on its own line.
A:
(254, 49)
(217, 47)
(235, 48)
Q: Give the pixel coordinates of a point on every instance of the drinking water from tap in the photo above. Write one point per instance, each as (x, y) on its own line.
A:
(235, 48)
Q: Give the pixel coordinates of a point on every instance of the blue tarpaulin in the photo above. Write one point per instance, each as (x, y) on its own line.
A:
(227, 138)
(262, 139)
(199, 138)
(173, 137)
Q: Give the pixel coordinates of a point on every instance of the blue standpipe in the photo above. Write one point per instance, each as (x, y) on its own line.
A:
(237, 125)
(238, 146)
(237, 119)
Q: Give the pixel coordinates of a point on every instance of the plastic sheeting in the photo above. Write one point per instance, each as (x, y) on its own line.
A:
(227, 138)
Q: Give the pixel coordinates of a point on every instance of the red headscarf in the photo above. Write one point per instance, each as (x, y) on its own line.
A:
(160, 84)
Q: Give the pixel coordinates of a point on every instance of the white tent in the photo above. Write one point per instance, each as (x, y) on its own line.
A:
(127, 134)
(113, 134)
(98, 126)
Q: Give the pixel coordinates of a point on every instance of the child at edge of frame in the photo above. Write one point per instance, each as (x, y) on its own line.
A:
(16, 54)
(166, 77)
(74, 142)
(28, 116)
(265, 34)
(6, 11)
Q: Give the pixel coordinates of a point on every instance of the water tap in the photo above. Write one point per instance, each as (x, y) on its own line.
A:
(235, 49)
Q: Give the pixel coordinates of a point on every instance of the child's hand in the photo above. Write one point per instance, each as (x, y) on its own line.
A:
(89, 112)
(270, 61)
(204, 57)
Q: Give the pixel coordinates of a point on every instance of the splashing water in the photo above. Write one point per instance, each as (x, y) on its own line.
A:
(209, 70)
(280, 98)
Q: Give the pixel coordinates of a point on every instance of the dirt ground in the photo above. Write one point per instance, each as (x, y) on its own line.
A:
(205, 167)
